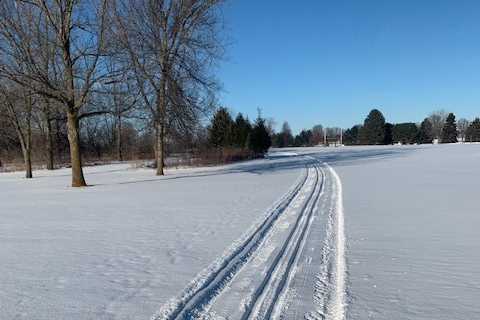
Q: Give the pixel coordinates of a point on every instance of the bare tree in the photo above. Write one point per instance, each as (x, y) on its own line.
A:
(334, 135)
(437, 119)
(286, 128)
(43, 117)
(117, 100)
(8, 136)
(19, 104)
(270, 124)
(317, 135)
(174, 47)
(123, 102)
(462, 126)
(73, 34)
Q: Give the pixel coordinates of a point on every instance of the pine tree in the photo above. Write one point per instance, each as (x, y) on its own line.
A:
(284, 138)
(425, 134)
(260, 140)
(449, 131)
(241, 131)
(373, 131)
(473, 132)
(388, 139)
(303, 138)
(406, 133)
(350, 137)
(221, 129)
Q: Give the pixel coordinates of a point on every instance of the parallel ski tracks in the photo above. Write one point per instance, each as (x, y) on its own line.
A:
(190, 304)
(266, 296)
(265, 300)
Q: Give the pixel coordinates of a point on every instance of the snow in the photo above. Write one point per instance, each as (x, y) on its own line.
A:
(412, 224)
(122, 247)
(382, 232)
(412, 220)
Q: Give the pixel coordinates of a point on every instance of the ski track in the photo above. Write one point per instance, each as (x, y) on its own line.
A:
(330, 288)
(271, 295)
(273, 284)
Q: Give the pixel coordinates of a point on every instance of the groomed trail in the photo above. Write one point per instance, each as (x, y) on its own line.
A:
(291, 264)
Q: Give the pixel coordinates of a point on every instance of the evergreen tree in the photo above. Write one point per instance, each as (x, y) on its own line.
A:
(221, 129)
(350, 136)
(388, 133)
(473, 132)
(406, 133)
(260, 140)
(284, 138)
(303, 138)
(449, 131)
(277, 140)
(425, 134)
(241, 131)
(373, 131)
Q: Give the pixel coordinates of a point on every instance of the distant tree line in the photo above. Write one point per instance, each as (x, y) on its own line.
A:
(440, 127)
(238, 139)
(317, 136)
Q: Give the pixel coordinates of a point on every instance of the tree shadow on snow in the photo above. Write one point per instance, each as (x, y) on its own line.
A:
(284, 159)
(344, 156)
(257, 167)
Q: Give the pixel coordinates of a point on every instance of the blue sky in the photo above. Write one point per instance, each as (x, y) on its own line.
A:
(330, 62)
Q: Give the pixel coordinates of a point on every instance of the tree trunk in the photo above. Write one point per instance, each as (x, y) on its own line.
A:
(58, 138)
(28, 162)
(72, 110)
(159, 149)
(48, 140)
(24, 136)
(25, 142)
(161, 102)
(28, 140)
(75, 155)
(119, 138)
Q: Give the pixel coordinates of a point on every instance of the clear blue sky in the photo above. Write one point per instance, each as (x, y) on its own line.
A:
(330, 62)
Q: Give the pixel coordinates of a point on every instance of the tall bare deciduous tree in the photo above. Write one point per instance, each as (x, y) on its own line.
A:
(122, 97)
(437, 119)
(317, 136)
(43, 116)
(73, 35)
(462, 126)
(18, 104)
(174, 47)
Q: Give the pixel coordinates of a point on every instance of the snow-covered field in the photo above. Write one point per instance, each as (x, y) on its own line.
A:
(335, 233)
(413, 228)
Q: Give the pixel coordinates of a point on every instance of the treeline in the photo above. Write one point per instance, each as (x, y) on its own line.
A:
(107, 137)
(104, 138)
(317, 136)
(92, 78)
(237, 138)
(306, 138)
(439, 127)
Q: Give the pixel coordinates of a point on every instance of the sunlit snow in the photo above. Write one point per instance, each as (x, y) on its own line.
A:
(384, 232)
